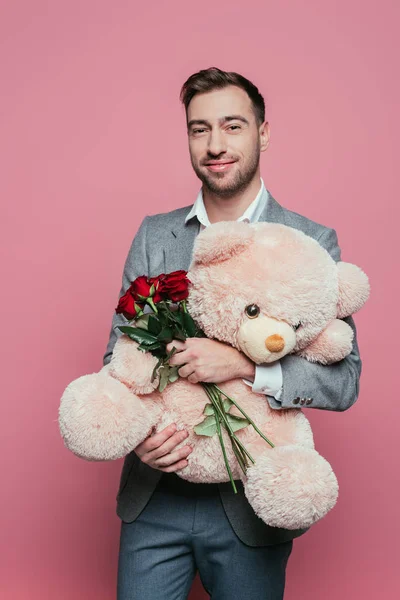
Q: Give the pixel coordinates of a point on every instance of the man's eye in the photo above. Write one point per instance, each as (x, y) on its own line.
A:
(234, 127)
(198, 130)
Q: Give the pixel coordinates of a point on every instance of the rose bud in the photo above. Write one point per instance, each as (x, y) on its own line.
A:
(127, 306)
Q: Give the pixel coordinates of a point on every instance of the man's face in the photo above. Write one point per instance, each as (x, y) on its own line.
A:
(225, 140)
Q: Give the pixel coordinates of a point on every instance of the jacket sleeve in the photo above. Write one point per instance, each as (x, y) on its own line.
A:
(136, 264)
(312, 385)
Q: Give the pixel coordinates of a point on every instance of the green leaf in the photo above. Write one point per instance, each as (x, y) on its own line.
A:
(227, 404)
(173, 374)
(165, 335)
(154, 325)
(159, 352)
(189, 325)
(139, 335)
(175, 317)
(207, 427)
(154, 374)
(209, 410)
(150, 347)
(179, 335)
(142, 322)
(237, 422)
(164, 374)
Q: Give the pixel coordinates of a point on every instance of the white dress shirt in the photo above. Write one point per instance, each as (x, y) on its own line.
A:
(268, 377)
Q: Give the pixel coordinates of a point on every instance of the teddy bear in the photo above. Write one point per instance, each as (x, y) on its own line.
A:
(268, 290)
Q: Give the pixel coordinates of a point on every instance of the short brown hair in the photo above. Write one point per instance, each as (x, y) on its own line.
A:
(215, 79)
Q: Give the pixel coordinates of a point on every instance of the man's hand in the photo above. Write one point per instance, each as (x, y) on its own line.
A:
(157, 450)
(210, 361)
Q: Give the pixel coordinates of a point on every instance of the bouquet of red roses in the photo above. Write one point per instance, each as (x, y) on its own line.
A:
(166, 319)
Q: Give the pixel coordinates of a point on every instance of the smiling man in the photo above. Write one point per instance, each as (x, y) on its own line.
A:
(172, 528)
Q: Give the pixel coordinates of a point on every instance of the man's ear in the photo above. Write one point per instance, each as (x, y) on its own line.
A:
(221, 240)
(264, 132)
(354, 289)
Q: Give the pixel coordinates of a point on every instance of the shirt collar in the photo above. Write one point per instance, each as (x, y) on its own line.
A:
(250, 215)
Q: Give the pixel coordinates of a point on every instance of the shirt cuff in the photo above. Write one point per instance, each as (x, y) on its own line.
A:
(268, 379)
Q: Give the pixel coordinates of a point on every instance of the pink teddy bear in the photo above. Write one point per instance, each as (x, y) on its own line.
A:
(268, 290)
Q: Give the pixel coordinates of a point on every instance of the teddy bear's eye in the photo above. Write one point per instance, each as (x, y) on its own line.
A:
(295, 327)
(252, 311)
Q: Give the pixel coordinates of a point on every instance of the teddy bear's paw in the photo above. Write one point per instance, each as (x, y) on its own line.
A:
(291, 487)
(100, 418)
(333, 343)
(133, 367)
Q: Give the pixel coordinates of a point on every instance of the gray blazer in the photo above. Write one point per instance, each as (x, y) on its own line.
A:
(163, 244)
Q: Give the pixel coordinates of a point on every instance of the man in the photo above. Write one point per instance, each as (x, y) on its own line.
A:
(171, 528)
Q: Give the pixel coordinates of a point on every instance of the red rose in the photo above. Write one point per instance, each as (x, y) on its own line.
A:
(142, 287)
(175, 286)
(126, 306)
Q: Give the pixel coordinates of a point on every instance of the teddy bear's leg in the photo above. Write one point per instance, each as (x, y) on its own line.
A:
(101, 419)
(132, 366)
(290, 486)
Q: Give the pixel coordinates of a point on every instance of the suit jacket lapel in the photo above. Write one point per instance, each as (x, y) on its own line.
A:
(273, 212)
(178, 250)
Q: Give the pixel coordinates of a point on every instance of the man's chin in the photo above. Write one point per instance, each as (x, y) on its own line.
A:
(219, 182)
(224, 186)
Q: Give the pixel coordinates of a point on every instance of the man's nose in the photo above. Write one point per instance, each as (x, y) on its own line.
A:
(275, 343)
(216, 143)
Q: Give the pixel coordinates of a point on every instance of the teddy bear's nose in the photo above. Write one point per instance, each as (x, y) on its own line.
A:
(275, 343)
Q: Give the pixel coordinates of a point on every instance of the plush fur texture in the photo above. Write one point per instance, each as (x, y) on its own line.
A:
(300, 292)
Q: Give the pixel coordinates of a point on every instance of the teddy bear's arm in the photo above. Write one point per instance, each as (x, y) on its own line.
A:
(133, 367)
(329, 387)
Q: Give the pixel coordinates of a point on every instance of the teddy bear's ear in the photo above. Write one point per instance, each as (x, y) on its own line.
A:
(222, 240)
(354, 289)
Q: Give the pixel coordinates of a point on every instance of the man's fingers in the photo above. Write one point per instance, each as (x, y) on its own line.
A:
(167, 446)
(178, 344)
(179, 358)
(171, 458)
(175, 467)
(154, 441)
(185, 371)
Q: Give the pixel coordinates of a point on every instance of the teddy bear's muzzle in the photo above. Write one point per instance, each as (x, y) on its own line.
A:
(265, 339)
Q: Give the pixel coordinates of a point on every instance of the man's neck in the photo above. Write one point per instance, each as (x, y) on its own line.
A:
(230, 209)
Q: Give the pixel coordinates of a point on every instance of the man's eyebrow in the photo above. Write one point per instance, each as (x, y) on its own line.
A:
(221, 121)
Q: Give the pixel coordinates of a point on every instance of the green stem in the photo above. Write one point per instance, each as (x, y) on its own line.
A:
(221, 440)
(240, 455)
(247, 416)
(151, 303)
(226, 423)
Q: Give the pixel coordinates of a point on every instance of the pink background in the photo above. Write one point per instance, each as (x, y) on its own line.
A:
(93, 139)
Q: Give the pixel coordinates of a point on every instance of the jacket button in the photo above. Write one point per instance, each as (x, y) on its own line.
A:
(296, 400)
(302, 401)
(309, 400)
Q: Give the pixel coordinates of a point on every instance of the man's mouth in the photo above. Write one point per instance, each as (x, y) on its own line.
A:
(219, 165)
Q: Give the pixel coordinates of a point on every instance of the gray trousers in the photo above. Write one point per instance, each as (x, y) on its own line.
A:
(177, 535)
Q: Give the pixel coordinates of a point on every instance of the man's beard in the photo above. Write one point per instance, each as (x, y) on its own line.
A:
(237, 184)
